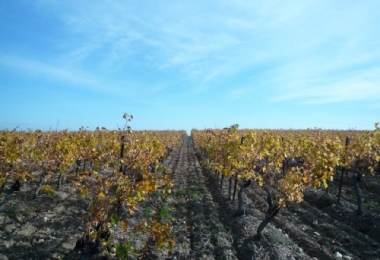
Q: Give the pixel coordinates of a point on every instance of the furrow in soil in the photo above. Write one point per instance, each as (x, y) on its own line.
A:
(178, 204)
(210, 240)
(198, 232)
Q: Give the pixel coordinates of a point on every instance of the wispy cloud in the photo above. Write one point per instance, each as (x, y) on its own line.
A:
(300, 45)
(173, 38)
(355, 89)
(181, 56)
(72, 77)
(39, 68)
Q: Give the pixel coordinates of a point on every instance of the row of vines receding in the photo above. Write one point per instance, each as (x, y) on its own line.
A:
(113, 171)
(284, 163)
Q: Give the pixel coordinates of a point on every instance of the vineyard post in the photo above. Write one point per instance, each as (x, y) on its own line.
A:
(59, 182)
(356, 177)
(357, 192)
(236, 175)
(229, 187)
(121, 153)
(77, 167)
(283, 161)
(235, 186)
(343, 169)
(127, 128)
(84, 165)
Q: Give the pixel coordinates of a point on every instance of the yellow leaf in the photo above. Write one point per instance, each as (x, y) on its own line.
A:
(123, 224)
(260, 180)
(93, 235)
(325, 183)
(171, 243)
(48, 189)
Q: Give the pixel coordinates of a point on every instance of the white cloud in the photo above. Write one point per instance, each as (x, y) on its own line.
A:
(304, 45)
(71, 77)
(356, 89)
(36, 67)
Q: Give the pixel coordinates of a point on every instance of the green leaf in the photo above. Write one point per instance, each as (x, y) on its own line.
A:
(122, 251)
(114, 219)
(164, 212)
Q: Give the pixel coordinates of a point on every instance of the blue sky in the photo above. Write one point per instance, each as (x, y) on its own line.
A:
(189, 64)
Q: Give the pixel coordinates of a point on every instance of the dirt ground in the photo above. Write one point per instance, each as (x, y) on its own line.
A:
(200, 214)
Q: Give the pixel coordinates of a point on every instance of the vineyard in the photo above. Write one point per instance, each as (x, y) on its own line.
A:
(217, 194)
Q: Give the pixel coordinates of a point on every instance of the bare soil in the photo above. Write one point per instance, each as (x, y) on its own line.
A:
(202, 222)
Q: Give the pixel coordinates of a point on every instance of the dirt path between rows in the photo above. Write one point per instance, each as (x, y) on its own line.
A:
(200, 232)
(202, 226)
